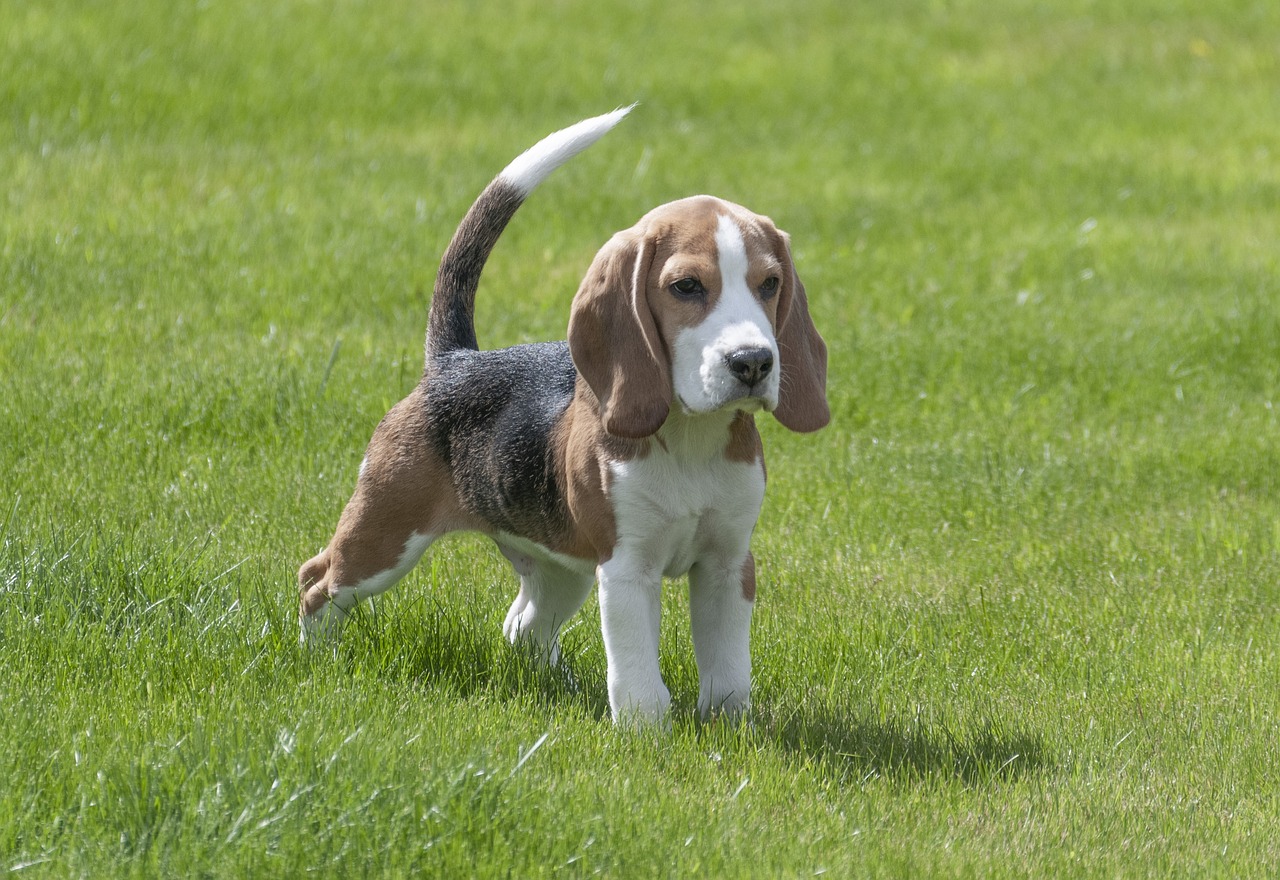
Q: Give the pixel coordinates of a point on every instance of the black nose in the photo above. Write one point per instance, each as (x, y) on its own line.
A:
(750, 365)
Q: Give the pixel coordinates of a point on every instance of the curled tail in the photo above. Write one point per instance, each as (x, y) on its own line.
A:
(451, 320)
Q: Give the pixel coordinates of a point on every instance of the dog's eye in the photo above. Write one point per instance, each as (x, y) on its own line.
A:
(688, 288)
(769, 287)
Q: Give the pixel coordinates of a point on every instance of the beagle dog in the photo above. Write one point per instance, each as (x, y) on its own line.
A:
(625, 455)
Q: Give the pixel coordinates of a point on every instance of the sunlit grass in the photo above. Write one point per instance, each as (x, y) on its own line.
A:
(1017, 603)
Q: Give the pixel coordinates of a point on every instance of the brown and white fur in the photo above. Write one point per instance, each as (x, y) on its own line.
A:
(626, 455)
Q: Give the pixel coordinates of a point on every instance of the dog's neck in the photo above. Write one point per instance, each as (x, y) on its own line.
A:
(695, 437)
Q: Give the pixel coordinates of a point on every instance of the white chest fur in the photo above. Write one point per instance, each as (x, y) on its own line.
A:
(683, 503)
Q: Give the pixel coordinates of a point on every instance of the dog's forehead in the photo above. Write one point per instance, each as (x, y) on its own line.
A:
(704, 224)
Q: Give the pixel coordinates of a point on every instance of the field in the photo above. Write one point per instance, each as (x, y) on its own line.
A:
(1017, 604)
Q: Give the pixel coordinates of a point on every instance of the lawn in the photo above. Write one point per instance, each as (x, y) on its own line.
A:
(1017, 609)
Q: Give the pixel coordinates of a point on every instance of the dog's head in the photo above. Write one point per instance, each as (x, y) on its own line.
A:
(698, 305)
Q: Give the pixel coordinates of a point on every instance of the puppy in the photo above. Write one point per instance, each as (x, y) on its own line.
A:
(625, 455)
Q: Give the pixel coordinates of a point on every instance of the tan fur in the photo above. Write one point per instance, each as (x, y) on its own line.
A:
(749, 578)
(802, 404)
(615, 344)
(587, 451)
(404, 489)
(744, 440)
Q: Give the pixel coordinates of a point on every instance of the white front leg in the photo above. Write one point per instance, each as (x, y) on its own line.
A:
(721, 596)
(630, 610)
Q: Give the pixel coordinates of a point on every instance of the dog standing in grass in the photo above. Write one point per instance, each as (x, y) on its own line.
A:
(625, 455)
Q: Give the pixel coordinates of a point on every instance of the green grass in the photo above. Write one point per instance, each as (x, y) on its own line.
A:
(1018, 603)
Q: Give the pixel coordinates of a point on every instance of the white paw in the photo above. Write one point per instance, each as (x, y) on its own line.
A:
(515, 615)
(640, 706)
(321, 628)
(731, 705)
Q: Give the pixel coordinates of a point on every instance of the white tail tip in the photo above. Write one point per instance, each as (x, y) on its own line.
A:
(533, 166)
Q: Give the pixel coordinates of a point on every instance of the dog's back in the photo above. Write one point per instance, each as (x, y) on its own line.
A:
(492, 414)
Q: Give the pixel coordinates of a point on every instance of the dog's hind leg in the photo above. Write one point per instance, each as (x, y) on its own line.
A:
(549, 595)
(330, 586)
(403, 501)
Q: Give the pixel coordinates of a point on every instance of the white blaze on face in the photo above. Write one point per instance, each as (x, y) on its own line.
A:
(702, 379)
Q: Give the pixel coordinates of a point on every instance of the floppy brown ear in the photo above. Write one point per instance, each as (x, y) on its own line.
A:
(802, 398)
(614, 340)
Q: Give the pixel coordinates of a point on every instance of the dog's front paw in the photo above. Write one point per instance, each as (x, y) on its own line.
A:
(641, 705)
(731, 707)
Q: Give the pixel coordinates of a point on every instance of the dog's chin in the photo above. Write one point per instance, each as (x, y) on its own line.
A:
(745, 402)
(751, 405)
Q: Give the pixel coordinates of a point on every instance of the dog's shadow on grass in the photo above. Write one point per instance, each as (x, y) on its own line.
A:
(856, 750)
(459, 652)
